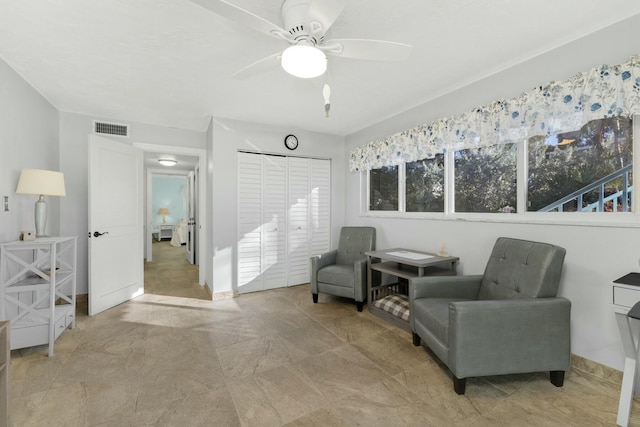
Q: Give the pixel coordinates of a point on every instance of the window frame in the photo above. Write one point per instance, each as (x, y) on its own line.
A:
(602, 219)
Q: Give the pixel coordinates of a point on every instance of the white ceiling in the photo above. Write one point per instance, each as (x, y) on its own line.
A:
(169, 62)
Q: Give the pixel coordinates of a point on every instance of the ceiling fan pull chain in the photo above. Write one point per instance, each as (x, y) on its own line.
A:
(326, 92)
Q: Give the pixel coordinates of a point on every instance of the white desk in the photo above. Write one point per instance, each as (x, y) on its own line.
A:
(623, 298)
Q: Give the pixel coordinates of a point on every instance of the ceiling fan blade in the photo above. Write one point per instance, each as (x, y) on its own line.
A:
(326, 12)
(244, 17)
(257, 67)
(376, 50)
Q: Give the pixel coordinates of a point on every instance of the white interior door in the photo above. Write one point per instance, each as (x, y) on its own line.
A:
(116, 268)
(192, 182)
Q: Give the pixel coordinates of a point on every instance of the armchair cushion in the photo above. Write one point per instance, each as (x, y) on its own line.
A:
(354, 242)
(337, 274)
(522, 269)
(434, 315)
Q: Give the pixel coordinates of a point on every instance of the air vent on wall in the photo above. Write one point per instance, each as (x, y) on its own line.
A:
(111, 129)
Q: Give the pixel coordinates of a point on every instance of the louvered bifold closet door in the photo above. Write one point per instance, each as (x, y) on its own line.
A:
(283, 218)
(274, 222)
(249, 222)
(320, 206)
(298, 239)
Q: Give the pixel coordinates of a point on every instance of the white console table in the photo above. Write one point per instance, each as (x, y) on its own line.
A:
(38, 289)
(625, 293)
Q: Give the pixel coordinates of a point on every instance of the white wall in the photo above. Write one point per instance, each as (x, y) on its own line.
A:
(208, 264)
(227, 137)
(595, 255)
(74, 140)
(28, 140)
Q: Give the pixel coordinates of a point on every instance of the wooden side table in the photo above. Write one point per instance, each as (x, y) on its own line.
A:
(401, 264)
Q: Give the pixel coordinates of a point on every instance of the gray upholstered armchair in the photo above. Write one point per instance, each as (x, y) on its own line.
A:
(506, 321)
(343, 271)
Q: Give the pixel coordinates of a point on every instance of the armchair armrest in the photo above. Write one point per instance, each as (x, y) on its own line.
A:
(360, 279)
(466, 287)
(319, 261)
(490, 337)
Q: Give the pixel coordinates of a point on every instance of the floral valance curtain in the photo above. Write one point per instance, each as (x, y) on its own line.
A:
(606, 91)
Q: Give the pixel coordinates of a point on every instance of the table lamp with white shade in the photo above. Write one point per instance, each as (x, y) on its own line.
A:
(41, 183)
(164, 212)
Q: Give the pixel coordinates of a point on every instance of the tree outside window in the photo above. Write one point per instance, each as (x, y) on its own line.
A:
(425, 185)
(587, 170)
(383, 189)
(485, 179)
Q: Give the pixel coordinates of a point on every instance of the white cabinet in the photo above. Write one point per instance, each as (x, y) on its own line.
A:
(283, 218)
(165, 231)
(38, 289)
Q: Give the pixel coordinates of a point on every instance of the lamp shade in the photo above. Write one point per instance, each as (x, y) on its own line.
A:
(163, 211)
(41, 182)
(304, 61)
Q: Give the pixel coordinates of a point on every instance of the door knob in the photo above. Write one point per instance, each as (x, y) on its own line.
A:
(98, 234)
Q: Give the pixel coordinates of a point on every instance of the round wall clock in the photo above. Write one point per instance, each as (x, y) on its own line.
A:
(291, 142)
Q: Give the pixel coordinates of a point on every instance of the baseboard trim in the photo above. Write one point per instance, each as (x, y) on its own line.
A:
(596, 369)
(223, 295)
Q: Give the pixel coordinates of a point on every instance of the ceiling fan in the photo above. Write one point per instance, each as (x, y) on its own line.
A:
(305, 26)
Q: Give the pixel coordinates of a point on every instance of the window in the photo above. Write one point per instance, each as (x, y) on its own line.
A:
(485, 179)
(425, 185)
(383, 189)
(588, 170)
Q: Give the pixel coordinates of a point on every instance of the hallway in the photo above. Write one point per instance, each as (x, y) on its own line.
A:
(170, 274)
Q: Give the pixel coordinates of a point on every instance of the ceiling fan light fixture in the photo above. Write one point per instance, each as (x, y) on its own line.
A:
(304, 61)
(166, 161)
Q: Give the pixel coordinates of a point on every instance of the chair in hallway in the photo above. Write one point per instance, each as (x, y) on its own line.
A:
(507, 321)
(343, 272)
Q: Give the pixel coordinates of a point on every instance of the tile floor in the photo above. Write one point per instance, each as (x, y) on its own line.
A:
(270, 358)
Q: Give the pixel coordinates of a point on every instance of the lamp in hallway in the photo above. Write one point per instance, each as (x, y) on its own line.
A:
(164, 212)
(41, 183)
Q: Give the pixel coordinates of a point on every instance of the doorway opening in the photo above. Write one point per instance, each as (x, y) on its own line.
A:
(183, 227)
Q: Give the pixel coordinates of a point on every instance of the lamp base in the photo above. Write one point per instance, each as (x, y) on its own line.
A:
(41, 217)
